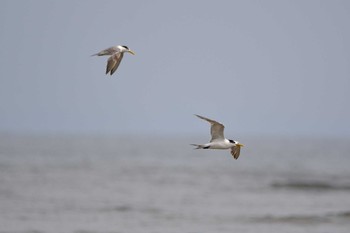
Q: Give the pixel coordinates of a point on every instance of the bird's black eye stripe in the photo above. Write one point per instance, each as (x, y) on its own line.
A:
(125, 46)
(231, 141)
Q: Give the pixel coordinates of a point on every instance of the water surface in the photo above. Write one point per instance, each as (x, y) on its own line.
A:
(110, 184)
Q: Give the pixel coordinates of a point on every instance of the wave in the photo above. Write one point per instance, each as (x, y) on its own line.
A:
(305, 219)
(129, 208)
(344, 214)
(310, 185)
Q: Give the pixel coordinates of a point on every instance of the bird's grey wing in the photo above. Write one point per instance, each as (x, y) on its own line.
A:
(235, 151)
(113, 62)
(216, 130)
(109, 51)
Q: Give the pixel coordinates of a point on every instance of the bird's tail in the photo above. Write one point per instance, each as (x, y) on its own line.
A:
(97, 54)
(102, 53)
(198, 146)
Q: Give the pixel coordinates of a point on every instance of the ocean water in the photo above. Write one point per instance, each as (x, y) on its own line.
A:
(111, 184)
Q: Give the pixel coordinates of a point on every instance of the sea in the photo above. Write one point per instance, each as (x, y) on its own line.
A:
(58, 183)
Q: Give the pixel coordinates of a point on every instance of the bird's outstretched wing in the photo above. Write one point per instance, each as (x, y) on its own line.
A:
(113, 62)
(216, 130)
(235, 151)
(109, 51)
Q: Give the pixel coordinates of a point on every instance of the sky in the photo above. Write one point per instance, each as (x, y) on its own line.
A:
(272, 67)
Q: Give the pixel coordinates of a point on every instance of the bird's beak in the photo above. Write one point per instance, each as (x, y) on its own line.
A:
(240, 145)
(132, 52)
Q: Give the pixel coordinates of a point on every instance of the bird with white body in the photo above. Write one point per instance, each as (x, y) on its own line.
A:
(117, 53)
(218, 140)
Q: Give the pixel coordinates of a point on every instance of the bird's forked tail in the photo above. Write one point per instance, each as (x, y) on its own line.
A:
(200, 146)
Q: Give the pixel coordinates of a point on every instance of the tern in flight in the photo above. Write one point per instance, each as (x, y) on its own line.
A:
(218, 140)
(117, 53)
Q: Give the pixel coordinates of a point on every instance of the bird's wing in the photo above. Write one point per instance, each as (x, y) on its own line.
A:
(235, 151)
(109, 51)
(216, 130)
(113, 62)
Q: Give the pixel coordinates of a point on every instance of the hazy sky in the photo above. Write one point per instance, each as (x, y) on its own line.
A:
(260, 67)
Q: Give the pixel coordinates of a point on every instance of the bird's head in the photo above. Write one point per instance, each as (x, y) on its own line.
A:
(236, 143)
(124, 48)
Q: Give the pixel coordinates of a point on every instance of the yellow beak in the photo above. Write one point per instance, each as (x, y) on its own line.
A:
(239, 144)
(132, 52)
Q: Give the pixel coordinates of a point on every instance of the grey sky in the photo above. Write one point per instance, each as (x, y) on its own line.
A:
(260, 67)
